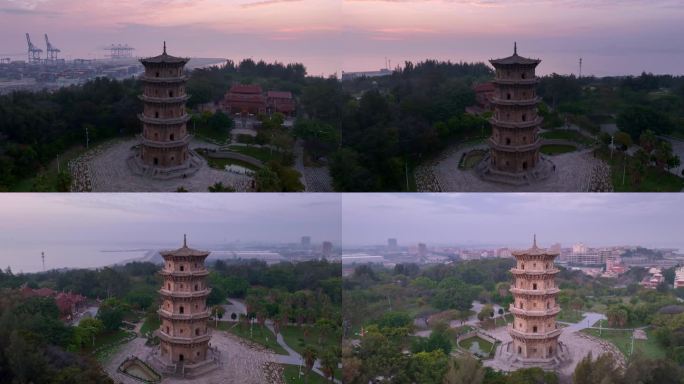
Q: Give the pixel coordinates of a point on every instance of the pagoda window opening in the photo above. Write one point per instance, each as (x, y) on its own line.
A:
(180, 357)
(181, 310)
(156, 74)
(524, 165)
(197, 332)
(508, 96)
(156, 161)
(196, 287)
(171, 137)
(182, 268)
(181, 330)
(523, 75)
(198, 353)
(534, 285)
(524, 117)
(508, 141)
(168, 286)
(170, 93)
(550, 351)
(167, 329)
(156, 114)
(548, 305)
(519, 350)
(534, 329)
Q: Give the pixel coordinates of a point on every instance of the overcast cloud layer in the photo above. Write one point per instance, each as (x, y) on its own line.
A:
(613, 36)
(509, 219)
(164, 218)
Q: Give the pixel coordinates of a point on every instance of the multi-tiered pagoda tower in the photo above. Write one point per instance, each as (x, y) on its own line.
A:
(514, 145)
(184, 334)
(164, 151)
(534, 308)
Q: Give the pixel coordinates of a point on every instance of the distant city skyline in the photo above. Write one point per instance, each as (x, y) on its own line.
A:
(614, 37)
(73, 228)
(510, 219)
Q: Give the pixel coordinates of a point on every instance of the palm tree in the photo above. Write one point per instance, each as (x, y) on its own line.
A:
(309, 356)
(329, 362)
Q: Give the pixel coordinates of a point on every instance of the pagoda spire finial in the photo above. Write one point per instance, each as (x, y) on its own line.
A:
(165, 47)
(185, 240)
(515, 48)
(534, 244)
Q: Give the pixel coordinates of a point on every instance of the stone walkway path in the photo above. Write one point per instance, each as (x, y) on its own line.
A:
(104, 169)
(315, 179)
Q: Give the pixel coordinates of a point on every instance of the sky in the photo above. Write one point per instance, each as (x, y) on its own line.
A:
(614, 37)
(62, 223)
(509, 219)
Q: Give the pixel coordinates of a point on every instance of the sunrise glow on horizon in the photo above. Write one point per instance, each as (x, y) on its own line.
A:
(329, 36)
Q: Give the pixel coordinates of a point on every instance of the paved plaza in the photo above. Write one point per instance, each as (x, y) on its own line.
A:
(574, 173)
(104, 169)
(579, 345)
(241, 363)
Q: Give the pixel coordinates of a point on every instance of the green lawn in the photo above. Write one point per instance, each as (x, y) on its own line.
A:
(50, 172)
(295, 337)
(263, 154)
(556, 149)
(218, 135)
(622, 340)
(106, 344)
(654, 180)
(473, 158)
(485, 346)
(221, 163)
(562, 134)
(260, 335)
(291, 376)
(150, 324)
(570, 316)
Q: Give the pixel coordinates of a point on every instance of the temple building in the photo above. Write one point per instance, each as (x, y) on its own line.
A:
(163, 151)
(245, 99)
(184, 334)
(250, 99)
(534, 330)
(514, 145)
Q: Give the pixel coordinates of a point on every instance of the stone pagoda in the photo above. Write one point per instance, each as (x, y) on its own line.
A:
(183, 333)
(534, 308)
(163, 151)
(514, 145)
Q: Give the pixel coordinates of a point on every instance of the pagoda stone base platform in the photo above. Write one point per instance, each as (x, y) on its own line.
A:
(185, 370)
(506, 354)
(192, 165)
(542, 171)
